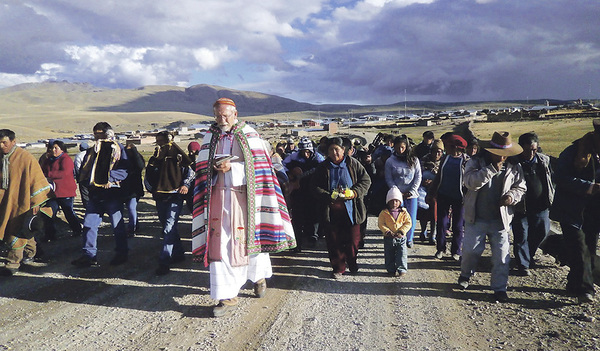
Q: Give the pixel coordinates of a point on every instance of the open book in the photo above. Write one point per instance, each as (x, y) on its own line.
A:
(220, 158)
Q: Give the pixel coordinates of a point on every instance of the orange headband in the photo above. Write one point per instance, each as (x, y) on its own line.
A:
(224, 101)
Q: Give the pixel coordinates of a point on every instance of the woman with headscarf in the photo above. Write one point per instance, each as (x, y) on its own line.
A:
(340, 184)
(403, 170)
(58, 169)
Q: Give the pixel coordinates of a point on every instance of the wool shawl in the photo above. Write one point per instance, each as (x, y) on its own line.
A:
(27, 188)
(269, 228)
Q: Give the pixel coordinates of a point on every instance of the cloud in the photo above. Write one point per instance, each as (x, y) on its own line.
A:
(368, 51)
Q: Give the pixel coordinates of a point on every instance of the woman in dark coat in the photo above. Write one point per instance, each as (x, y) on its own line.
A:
(340, 184)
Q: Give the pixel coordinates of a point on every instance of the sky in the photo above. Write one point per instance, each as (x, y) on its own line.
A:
(316, 51)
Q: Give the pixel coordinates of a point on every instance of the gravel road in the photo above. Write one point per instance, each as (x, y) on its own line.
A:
(55, 306)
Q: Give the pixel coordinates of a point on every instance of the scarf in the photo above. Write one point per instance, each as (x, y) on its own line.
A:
(269, 227)
(100, 161)
(340, 178)
(6, 167)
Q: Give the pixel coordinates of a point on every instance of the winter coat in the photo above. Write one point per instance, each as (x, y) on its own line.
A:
(478, 173)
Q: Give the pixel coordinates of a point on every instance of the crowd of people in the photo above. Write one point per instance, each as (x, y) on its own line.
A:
(250, 197)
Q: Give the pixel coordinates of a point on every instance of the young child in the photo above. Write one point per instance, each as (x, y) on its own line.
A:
(394, 223)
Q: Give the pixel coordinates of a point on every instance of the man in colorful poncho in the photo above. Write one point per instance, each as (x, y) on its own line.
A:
(23, 189)
(240, 214)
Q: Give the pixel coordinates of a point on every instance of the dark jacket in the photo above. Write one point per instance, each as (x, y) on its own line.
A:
(521, 207)
(320, 186)
(571, 198)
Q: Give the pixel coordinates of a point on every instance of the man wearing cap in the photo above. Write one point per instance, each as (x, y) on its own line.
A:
(494, 186)
(23, 189)
(300, 165)
(240, 214)
(447, 190)
(531, 223)
(577, 207)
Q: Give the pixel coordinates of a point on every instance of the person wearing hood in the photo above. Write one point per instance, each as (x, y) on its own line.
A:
(394, 222)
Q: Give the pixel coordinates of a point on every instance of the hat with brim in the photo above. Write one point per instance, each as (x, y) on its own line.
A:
(502, 145)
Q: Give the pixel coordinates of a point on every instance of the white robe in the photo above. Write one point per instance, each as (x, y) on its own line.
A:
(225, 280)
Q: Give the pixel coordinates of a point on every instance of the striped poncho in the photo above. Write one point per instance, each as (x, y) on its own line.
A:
(269, 228)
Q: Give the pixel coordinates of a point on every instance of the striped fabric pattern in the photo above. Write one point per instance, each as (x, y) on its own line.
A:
(269, 225)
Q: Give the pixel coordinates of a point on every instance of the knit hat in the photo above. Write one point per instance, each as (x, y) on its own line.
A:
(393, 194)
(305, 144)
(224, 101)
(458, 141)
(193, 146)
(437, 145)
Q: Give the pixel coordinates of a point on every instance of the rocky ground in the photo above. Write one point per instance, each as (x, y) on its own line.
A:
(55, 306)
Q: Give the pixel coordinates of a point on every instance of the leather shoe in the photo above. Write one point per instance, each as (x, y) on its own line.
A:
(225, 307)
(260, 288)
(85, 261)
(500, 296)
(585, 298)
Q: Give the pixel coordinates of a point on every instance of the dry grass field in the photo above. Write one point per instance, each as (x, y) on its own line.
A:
(52, 110)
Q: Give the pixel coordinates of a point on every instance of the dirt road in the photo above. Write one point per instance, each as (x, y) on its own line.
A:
(56, 306)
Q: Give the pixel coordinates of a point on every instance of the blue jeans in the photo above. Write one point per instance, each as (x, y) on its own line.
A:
(96, 208)
(132, 224)
(412, 207)
(168, 215)
(529, 231)
(474, 244)
(395, 253)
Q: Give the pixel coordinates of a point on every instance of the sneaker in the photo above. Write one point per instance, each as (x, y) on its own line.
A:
(401, 274)
(260, 288)
(162, 270)
(585, 298)
(439, 254)
(456, 257)
(463, 282)
(500, 296)
(118, 260)
(432, 242)
(409, 244)
(85, 261)
(394, 274)
(225, 307)
(336, 275)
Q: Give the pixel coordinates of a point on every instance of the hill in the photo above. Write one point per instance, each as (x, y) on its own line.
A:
(56, 109)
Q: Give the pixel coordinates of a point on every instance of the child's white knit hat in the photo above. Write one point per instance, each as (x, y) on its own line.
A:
(394, 194)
